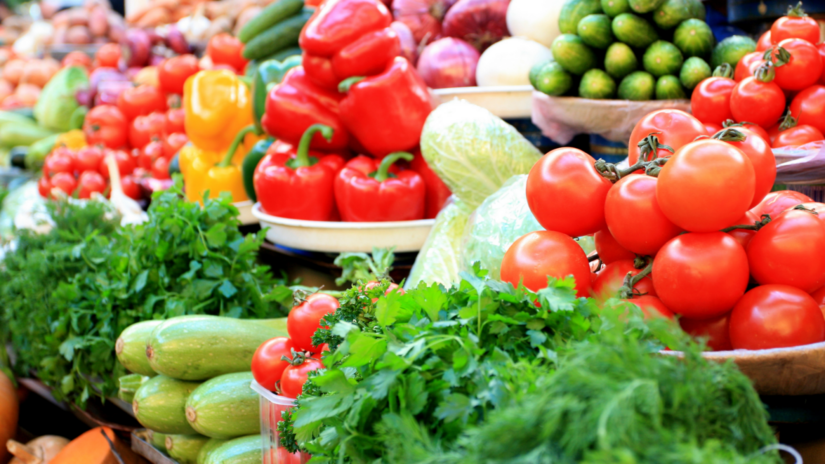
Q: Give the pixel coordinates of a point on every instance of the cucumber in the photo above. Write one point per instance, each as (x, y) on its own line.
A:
(225, 407)
(694, 38)
(22, 134)
(160, 404)
(694, 71)
(594, 30)
(128, 385)
(244, 450)
(185, 448)
(633, 30)
(573, 11)
(730, 51)
(157, 439)
(644, 6)
(284, 54)
(270, 16)
(202, 347)
(130, 347)
(669, 88)
(551, 78)
(572, 54)
(278, 37)
(619, 61)
(9, 117)
(210, 445)
(597, 84)
(671, 13)
(662, 58)
(38, 151)
(614, 8)
(696, 9)
(536, 69)
(638, 86)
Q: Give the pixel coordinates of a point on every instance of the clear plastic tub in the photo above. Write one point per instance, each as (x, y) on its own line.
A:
(272, 408)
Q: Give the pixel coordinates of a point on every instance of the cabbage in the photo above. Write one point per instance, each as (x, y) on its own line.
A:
(57, 101)
(438, 260)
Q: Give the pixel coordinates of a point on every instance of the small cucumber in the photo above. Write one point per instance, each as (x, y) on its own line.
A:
(662, 58)
(637, 86)
(270, 16)
(278, 37)
(572, 54)
(185, 448)
(595, 30)
(130, 347)
(644, 6)
(634, 30)
(694, 38)
(212, 444)
(160, 405)
(671, 13)
(619, 61)
(157, 439)
(573, 11)
(225, 407)
(244, 450)
(669, 88)
(38, 151)
(694, 71)
(614, 8)
(22, 134)
(729, 51)
(551, 78)
(128, 385)
(597, 84)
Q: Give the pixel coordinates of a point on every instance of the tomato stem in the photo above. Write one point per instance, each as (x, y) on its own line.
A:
(766, 219)
(788, 121)
(298, 357)
(796, 11)
(729, 135)
(628, 288)
(807, 210)
(765, 72)
(723, 70)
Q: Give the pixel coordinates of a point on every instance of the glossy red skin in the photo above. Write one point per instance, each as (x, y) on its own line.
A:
(88, 182)
(761, 103)
(88, 158)
(76, 58)
(819, 296)
(712, 127)
(173, 72)
(710, 100)
(538, 255)
(758, 130)
(319, 70)
(294, 377)
(130, 187)
(747, 65)
(108, 55)
(764, 41)
(340, 23)
(808, 107)
(305, 319)
(797, 136)
(652, 307)
(160, 168)
(106, 125)
(361, 198)
(775, 203)
(634, 218)
(819, 208)
(701, 275)
(786, 251)
(140, 101)
(788, 27)
(706, 186)
(173, 143)
(744, 236)
(126, 164)
(609, 249)
(223, 48)
(64, 181)
(803, 69)
(610, 280)
(44, 186)
(145, 129)
(776, 316)
(566, 194)
(437, 191)
(716, 330)
(677, 129)
(267, 365)
(174, 121)
(821, 49)
(61, 160)
(147, 156)
(368, 55)
(757, 149)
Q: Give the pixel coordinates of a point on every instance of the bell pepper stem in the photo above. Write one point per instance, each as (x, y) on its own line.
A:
(227, 158)
(344, 86)
(383, 172)
(302, 158)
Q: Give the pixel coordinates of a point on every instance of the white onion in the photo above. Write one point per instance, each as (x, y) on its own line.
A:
(508, 62)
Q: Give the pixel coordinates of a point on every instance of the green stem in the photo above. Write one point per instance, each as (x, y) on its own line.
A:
(755, 226)
(796, 11)
(302, 158)
(723, 70)
(345, 85)
(765, 72)
(383, 172)
(787, 122)
(729, 135)
(227, 159)
(628, 286)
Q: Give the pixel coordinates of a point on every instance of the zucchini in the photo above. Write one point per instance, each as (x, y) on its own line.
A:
(130, 347)
(22, 134)
(202, 347)
(160, 405)
(16, 117)
(185, 448)
(244, 450)
(212, 444)
(157, 439)
(278, 37)
(128, 385)
(38, 151)
(270, 16)
(225, 407)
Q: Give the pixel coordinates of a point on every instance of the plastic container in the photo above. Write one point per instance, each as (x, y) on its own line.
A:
(272, 408)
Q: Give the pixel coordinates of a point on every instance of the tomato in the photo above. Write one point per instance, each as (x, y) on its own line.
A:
(610, 280)
(818, 208)
(609, 249)
(283, 456)
(808, 107)
(76, 58)
(786, 251)
(61, 160)
(710, 100)
(705, 186)
(757, 149)
(700, 275)
(225, 49)
(130, 187)
(715, 330)
(173, 143)
(267, 365)
(160, 168)
(108, 55)
(744, 236)
(712, 127)
(797, 136)
(776, 316)
(821, 49)
(746, 66)
(756, 129)
(90, 181)
(819, 296)
(566, 194)
(173, 72)
(305, 319)
(775, 203)
(145, 129)
(794, 26)
(759, 102)
(804, 67)
(88, 158)
(140, 101)
(147, 156)
(294, 377)
(106, 125)
(174, 121)
(538, 255)
(65, 182)
(44, 186)
(651, 307)
(677, 129)
(125, 163)
(764, 41)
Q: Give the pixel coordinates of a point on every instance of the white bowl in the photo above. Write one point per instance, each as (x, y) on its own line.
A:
(245, 212)
(508, 102)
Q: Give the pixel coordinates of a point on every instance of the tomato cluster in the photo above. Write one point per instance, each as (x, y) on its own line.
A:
(689, 228)
(83, 172)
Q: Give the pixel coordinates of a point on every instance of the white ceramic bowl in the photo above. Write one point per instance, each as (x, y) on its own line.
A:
(509, 102)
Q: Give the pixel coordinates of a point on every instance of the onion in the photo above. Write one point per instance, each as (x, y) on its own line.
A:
(509, 62)
(409, 48)
(449, 62)
(479, 22)
(139, 44)
(176, 41)
(108, 91)
(423, 17)
(100, 75)
(84, 97)
(534, 19)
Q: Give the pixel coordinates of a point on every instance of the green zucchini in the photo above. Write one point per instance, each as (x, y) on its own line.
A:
(270, 16)
(22, 134)
(225, 407)
(7, 117)
(38, 151)
(278, 37)
(128, 385)
(212, 444)
(244, 450)
(160, 405)
(157, 439)
(130, 347)
(202, 347)
(185, 448)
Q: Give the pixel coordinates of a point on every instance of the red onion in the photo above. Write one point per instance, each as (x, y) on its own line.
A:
(449, 62)
(102, 75)
(479, 22)
(84, 97)
(139, 44)
(409, 48)
(423, 17)
(176, 41)
(156, 60)
(108, 91)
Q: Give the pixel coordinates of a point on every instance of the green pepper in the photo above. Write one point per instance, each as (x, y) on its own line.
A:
(250, 162)
(269, 73)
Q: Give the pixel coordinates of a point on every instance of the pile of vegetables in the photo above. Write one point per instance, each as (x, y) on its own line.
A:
(93, 22)
(23, 79)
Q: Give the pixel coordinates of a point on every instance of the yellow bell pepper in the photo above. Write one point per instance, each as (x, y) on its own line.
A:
(210, 171)
(73, 139)
(218, 105)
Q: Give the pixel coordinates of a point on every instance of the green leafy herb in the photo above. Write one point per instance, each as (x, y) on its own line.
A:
(361, 267)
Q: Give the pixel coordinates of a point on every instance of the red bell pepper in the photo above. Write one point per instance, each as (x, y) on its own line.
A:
(367, 190)
(437, 190)
(367, 56)
(296, 104)
(319, 70)
(298, 184)
(337, 24)
(386, 113)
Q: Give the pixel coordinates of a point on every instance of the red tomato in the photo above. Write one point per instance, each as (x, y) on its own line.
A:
(566, 194)
(634, 217)
(108, 55)
(787, 251)
(283, 456)
(76, 58)
(90, 181)
(710, 100)
(305, 319)
(757, 149)
(797, 26)
(65, 182)
(267, 365)
(294, 377)
(759, 102)
(715, 330)
(437, 190)
(160, 168)
(797, 136)
(125, 163)
(225, 49)
(130, 187)
(174, 121)
(173, 143)
(88, 158)
(821, 48)
(61, 160)
(677, 129)
(152, 151)
(756, 129)
(173, 72)
(764, 41)
(747, 65)
(775, 203)
(534, 257)
(609, 249)
(819, 296)
(140, 101)
(700, 275)
(106, 125)
(776, 316)
(651, 307)
(804, 67)
(145, 129)
(744, 236)
(699, 199)
(808, 107)
(818, 208)
(610, 280)
(44, 187)
(712, 127)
